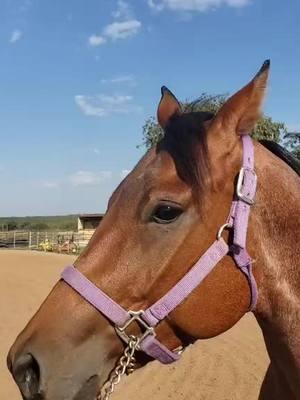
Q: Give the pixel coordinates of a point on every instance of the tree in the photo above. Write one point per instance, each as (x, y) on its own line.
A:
(69, 226)
(266, 128)
(291, 141)
(12, 225)
(25, 225)
(39, 226)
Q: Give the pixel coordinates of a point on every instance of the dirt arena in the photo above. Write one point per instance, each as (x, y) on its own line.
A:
(230, 367)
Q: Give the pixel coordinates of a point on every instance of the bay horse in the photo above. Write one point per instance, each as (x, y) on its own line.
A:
(145, 256)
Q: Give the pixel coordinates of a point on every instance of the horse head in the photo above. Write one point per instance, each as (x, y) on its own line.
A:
(159, 221)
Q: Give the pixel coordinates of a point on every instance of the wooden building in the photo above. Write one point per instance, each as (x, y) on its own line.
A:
(87, 224)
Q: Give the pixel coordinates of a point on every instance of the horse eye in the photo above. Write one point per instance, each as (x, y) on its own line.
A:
(164, 214)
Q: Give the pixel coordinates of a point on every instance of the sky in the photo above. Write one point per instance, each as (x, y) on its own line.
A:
(79, 78)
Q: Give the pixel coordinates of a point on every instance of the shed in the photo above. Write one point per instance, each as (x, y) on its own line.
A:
(87, 224)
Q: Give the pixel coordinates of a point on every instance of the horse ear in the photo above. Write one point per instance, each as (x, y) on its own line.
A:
(168, 106)
(241, 111)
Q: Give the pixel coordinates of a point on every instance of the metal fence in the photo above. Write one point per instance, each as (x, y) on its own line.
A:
(48, 241)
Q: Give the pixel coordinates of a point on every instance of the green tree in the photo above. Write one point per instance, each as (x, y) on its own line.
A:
(25, 226)
(12, 225)
(266, 128)
(291, 141)
(69, 226)
(39, 226)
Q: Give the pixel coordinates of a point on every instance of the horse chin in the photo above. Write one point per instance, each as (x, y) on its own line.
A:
(89, 390)
(92, 387)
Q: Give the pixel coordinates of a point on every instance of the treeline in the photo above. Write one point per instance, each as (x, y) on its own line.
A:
(40, 223)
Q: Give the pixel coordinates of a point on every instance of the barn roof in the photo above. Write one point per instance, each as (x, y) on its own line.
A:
(90, 215)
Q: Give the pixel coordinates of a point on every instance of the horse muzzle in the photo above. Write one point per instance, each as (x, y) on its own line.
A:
(45, 370)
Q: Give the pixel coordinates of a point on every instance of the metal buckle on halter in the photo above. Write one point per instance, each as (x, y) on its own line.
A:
(135, 316)
(244, 175)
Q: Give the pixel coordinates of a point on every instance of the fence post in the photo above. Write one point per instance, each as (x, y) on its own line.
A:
(29, 240)
(14, 239)
(37, 239)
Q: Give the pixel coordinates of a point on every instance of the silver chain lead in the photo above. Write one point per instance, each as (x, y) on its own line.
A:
(125, 365)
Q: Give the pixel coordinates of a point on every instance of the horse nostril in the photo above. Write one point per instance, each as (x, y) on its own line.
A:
(26, 373)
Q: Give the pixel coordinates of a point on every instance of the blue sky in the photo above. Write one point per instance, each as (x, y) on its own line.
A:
(78, 79)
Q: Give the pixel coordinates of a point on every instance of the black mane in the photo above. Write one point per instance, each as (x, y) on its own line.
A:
(282, 153)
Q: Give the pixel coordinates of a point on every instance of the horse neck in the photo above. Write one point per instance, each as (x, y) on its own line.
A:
(274, 243)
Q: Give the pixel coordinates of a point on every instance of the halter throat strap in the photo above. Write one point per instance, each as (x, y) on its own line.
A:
(148, 319)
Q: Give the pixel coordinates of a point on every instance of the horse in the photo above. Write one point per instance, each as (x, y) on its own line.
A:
(144, 255)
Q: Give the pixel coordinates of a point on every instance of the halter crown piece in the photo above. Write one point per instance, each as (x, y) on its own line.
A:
(237, 221)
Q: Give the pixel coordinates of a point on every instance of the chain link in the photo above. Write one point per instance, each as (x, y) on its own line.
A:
(126, 365)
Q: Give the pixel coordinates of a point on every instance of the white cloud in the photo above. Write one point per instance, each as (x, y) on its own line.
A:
(50, 185)
(124, 173)
(237, 3)
(129, 79)
(122, 30)
(15, 36)
(85, 103)
(89, 178)
(156, 5)
(123, 10)
(102, 105)
(95, 40)
(194, 5)
(124, 26)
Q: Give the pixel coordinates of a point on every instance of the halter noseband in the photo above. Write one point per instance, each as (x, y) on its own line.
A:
(237, 221)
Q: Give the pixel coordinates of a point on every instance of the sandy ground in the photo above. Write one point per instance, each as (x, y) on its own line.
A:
(229, 367)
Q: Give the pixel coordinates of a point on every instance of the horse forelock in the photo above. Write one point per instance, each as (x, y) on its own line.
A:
(185, 139)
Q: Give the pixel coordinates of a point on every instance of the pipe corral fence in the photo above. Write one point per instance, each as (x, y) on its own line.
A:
(68, 242)
(58, 241)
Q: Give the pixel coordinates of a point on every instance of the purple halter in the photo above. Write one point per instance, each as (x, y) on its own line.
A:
(148, 319)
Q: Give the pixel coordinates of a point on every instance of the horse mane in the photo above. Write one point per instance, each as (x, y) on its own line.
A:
(185, 140)
(282, 153)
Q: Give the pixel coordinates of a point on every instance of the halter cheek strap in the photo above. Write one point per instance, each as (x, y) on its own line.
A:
(148, 319)
(239, 215)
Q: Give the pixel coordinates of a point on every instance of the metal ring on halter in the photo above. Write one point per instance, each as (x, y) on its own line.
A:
(135, 316)
(222, 228)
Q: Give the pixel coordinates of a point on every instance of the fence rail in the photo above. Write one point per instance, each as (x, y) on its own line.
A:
(48, 241)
